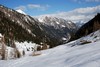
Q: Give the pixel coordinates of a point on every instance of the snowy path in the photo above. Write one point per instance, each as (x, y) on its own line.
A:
(62, 56)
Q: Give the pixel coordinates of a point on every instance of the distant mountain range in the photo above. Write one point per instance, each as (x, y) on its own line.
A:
(49, 30)
(21, 27)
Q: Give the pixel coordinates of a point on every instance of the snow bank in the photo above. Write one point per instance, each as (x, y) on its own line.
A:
(87, 55)
(27, 47)
(22, 49)
(93, 37)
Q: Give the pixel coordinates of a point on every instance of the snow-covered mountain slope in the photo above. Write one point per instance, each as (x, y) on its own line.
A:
(24, 48)
(66, 26)
(20, 11)
(57, 22)
(81, 15)
(93, 37)
(87, 55)
(26, 28)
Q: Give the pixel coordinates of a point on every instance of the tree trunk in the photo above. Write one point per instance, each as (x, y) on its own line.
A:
(4, 57)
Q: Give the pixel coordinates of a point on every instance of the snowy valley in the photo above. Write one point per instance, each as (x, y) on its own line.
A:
(47, 41)
(65, 55)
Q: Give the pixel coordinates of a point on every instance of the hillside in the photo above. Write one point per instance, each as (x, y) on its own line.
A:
(49, 33)
(89, 27)
(21, 27)
(87, 55)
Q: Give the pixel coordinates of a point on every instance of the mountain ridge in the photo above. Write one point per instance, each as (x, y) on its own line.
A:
(24, 27)
(89, 27)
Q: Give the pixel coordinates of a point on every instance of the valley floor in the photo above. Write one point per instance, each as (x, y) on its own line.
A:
(87, 55)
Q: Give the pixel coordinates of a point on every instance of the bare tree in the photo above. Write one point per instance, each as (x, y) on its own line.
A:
(4, 57)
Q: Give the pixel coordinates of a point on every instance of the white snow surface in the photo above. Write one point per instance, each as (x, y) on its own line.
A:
(20, 11)
(62, 56)
(93, 37)
(27, 47)
(0, 35)
(87, 55)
